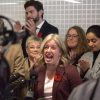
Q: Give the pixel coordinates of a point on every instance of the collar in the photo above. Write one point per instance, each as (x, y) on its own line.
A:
(40, 25)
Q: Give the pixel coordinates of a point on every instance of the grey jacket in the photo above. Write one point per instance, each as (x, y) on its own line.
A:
(89, 90)
(94, 71)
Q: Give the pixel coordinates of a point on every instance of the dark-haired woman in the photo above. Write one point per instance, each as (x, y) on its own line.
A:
(90, 62)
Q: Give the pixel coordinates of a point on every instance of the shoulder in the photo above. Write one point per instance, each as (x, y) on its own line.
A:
(14, 49)
(87, 55)
(50, 25)
(72, 72)
(39, 68)
(16, 46)
(70, 68)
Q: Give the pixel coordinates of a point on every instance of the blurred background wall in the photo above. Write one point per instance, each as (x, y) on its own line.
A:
(61, 13)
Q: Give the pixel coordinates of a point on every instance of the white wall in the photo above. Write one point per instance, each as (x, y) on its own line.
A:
(59, 13)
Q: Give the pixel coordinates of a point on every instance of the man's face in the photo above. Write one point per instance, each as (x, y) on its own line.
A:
(32, 13)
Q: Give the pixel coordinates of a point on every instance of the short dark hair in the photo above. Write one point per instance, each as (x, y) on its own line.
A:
(37, 4)
(94, 29)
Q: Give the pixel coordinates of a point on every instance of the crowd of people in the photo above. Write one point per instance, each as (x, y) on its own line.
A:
(39, 65)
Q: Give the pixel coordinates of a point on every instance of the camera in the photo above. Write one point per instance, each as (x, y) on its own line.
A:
(12, 89)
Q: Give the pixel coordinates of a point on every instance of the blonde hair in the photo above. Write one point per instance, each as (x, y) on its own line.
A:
(32, 39)
(60, 44)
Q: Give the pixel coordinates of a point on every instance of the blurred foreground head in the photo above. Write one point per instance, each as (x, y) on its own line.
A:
(7, 35)
(6, 38)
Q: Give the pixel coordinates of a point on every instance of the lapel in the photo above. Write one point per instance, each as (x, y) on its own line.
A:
(90, 59)
(60, 70)
(44, 29)
(41, 80)
(97, 63)
(98, 59)
(27, 67)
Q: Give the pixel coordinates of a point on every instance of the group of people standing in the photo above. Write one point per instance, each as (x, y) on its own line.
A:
(61, 65)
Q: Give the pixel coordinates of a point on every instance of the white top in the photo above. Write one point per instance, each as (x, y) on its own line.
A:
(48, 88)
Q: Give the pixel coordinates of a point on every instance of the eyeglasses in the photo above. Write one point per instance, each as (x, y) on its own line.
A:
(71, 36)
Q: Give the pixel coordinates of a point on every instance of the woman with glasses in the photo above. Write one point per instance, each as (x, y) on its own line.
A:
(76, 44)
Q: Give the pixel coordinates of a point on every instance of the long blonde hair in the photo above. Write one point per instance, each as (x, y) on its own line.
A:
(32, 39)
(60, 44)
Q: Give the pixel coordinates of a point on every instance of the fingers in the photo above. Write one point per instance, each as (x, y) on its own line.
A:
(17, 26)
(30, 25)
(84, 65)
(18, 22)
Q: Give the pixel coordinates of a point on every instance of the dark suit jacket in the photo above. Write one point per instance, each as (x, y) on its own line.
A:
(61, 88)
(45, 30)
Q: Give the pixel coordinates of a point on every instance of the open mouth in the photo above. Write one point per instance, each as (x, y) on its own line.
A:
(48, 57)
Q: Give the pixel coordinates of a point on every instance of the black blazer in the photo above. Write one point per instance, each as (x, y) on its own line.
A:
(45, 30)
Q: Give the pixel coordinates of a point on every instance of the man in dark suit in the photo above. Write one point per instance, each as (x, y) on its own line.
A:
(35, 24)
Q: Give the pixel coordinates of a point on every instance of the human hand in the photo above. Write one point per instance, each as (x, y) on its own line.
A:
(36, 57)
(83, 65)
(17, 26)
(31, 27)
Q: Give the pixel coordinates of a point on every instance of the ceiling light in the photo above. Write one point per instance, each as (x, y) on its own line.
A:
(72, 1)
(8, 3)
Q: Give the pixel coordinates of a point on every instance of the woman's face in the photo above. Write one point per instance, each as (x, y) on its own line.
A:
(72, 39)
(93, 41)
(52, 53)
(33, 49)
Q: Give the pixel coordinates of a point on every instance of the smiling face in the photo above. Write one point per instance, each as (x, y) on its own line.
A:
(32, 13)
(33, 49)
(72, 38)
(93, 41)
(52, 53)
